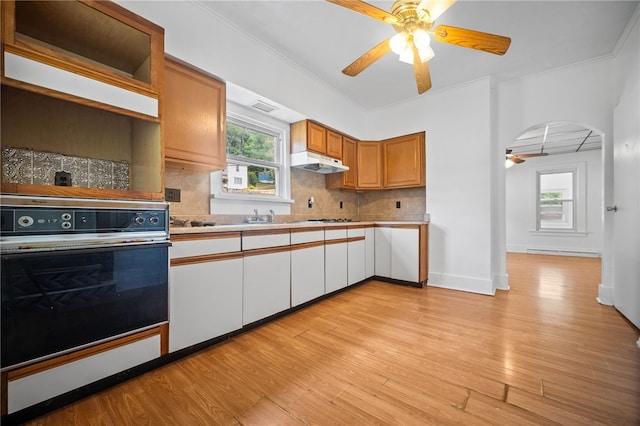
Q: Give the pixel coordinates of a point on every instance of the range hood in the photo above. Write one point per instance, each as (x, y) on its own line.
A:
(317, 163)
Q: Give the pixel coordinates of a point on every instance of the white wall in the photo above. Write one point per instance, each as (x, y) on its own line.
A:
(458, 125)
(521, 206)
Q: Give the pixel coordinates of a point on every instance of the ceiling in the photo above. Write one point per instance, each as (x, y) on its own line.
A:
(322, 38)
(556, 138)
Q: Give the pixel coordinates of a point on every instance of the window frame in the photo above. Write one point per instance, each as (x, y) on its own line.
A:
(233, 203)
(539, 200)
(579, 199)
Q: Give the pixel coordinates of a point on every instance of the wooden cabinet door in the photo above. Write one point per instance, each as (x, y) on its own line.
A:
(345, 180)
(404, 161)
(334, 145)
(369, 165)
(193, 120)
(316, 138)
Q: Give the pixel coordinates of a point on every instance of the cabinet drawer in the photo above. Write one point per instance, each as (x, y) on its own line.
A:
(257, 239)
(355, 232)
(335, 234)
(203, 247)
(307, 236)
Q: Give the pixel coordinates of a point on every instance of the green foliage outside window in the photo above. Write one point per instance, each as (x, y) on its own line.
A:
(248, 143)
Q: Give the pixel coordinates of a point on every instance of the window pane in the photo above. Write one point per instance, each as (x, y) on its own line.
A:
(555, 200)
(249, 143)
(557, 183)
(249, 179)
(556, 214)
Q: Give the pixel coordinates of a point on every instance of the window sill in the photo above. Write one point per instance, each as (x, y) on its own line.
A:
(254, 198)
(559, 233)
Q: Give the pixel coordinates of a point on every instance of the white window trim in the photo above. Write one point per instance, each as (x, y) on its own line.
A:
(580, 200)
(224, 203)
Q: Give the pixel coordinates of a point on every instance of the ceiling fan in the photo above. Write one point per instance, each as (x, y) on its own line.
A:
(414, 20)
(519, 158)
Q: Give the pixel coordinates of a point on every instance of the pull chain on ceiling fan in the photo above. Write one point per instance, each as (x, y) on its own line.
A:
(414, 20)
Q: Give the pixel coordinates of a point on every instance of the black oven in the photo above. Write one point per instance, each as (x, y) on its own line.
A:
(78, 272)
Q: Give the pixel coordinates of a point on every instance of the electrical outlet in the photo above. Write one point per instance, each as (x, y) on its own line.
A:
(397, 204)
(172, 194)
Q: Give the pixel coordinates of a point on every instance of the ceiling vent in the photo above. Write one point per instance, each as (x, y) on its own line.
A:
(264, 107)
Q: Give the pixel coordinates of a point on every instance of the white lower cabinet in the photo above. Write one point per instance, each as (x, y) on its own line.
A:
(405, 254)
(32, 389)
(307, 274)
(205, 301)
(397, 253)
(307, 265)
(356, 255)
(267, 285)
(335, 259)
(370, 245)
(383, 252)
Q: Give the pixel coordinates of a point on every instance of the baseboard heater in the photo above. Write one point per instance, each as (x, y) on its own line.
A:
(563, 252)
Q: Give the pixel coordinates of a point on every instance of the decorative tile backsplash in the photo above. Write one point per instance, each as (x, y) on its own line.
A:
(36, 167)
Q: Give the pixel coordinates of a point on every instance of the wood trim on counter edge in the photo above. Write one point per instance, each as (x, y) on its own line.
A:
(266, 250)
(179, 261)
(310, 244)
(205, 236)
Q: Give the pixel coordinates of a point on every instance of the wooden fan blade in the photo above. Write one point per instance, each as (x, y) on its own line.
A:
(435, 8)
(421, 70)
(367, 59)
(367, 10)
(516, 160)
(472, 39)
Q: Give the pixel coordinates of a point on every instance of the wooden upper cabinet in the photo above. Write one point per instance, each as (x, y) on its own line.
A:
(316, 138)
(193, 119)
(404, 161)
(348, 179)
(369, 165)
(308, 135)
(334, 145)
(99, 40)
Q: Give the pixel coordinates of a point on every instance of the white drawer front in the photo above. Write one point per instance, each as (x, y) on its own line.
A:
(307, 237)
(355, 232)
(250, 242)
(203, 247)
(335, 234)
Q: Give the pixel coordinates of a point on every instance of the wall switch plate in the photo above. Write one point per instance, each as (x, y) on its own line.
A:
(397, 204)
(172, 194)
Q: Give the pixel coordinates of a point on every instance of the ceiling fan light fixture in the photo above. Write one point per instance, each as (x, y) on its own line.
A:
(407, 55)
(421, 38)
(399, 43)
(426, 53)
(508, 163)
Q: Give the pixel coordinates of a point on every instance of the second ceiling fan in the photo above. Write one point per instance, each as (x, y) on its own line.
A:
(414, 20)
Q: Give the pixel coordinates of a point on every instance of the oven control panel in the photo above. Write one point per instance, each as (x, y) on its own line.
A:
(59, 220)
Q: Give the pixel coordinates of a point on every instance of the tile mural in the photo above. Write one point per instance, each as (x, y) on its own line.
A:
(34, 167)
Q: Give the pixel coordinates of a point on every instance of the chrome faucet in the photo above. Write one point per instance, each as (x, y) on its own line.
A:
(272, 216)
(256, 212)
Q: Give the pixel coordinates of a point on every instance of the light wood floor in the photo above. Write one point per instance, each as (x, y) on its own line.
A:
(543, 353)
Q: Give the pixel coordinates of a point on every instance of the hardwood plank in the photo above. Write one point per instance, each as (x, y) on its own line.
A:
(544, 352)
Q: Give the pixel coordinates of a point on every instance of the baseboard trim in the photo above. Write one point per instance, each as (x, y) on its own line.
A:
(461, 283)
(605, 295)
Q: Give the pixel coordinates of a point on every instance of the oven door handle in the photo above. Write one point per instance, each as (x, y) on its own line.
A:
(86, 248)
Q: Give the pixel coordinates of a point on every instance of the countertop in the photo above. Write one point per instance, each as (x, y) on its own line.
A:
(176, 230)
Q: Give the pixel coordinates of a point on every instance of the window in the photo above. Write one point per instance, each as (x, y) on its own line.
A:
(253, 159)
(556, 200)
